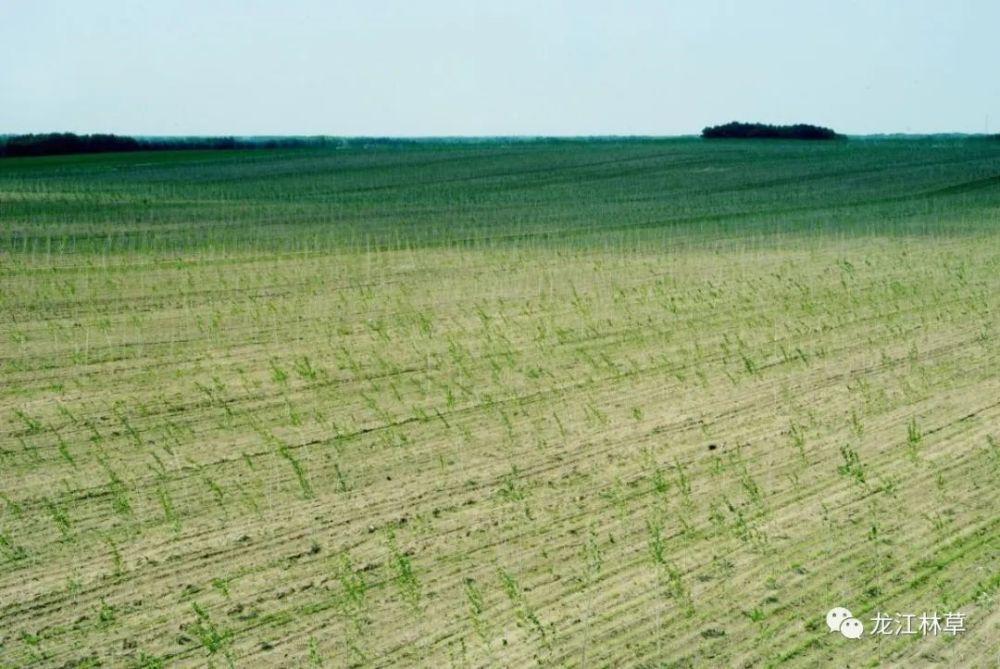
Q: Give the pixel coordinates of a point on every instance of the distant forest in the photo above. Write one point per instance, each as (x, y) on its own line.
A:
(66, 143)
(737, 130)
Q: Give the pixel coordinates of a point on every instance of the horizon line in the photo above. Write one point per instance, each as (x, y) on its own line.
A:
(696, 135)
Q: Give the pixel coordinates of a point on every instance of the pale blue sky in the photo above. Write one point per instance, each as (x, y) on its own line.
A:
(476, 68)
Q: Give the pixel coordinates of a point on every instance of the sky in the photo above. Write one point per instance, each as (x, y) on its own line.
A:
(471, 67)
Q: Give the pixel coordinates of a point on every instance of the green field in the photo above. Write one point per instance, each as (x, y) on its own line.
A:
(583, 404)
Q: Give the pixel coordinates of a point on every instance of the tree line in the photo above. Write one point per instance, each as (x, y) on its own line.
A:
(67, 143)
(60, 143)
(737, 130)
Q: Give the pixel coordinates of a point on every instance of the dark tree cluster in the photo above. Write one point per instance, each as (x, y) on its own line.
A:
(737, 130)
(66, 143)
